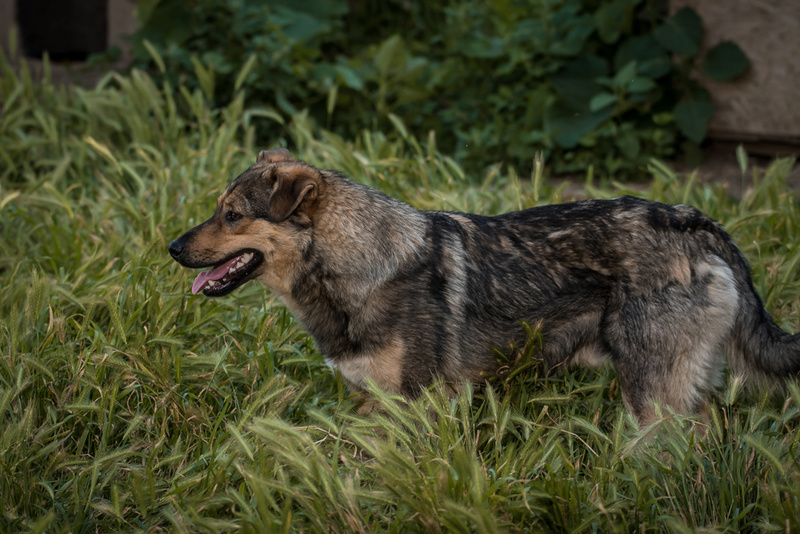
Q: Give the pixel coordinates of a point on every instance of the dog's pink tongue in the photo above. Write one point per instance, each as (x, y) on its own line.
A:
(212, 274)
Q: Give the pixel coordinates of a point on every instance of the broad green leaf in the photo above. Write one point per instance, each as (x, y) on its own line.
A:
(389, 55)
(298, 25)
(408, 95)
(576, 84)
(350, 77)
(725, 62)
(601, 100)
(651, 58)
(144, 9)
(641, 85)
(625, 75)
(569, 43)
(484, 47)
(614, 18)
(530, 30)
(692, 118)
(318, 9)
(168, 22)
(682, 33)
(567, 126)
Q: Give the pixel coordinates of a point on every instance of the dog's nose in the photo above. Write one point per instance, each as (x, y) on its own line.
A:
(175, 248)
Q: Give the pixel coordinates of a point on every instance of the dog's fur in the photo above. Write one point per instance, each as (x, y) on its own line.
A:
(401, 296)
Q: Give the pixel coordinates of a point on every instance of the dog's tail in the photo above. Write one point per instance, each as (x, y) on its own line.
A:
(758, 348)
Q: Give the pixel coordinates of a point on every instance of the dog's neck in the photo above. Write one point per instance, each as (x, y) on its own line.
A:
(362, 240)
(367, 241)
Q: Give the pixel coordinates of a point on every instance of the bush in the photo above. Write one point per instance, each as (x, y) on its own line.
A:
(586, 82)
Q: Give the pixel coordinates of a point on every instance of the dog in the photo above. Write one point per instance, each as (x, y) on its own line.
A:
(401, 296)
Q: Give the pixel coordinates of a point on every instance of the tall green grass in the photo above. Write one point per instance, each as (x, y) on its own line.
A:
(129, 405)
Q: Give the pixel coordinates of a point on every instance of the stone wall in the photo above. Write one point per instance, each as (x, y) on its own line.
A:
(763, 105)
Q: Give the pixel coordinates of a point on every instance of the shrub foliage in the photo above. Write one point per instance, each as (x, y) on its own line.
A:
(585, 82)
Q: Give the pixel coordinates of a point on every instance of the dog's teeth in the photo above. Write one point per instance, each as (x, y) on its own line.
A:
(244, 260)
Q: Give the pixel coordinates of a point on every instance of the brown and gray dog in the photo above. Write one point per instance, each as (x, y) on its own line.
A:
(401, 296)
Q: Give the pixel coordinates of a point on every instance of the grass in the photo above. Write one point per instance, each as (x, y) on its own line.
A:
(129, 405)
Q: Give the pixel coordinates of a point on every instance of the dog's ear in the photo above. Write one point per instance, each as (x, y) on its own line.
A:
(273, 156)
(293, 188)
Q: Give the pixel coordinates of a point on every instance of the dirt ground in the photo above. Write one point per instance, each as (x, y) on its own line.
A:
(720, 164)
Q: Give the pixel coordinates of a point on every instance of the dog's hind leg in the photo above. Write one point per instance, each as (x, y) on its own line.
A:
(667, 342)
(573, 340)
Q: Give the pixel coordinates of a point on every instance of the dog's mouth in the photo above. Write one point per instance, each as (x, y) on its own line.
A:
(228, 275)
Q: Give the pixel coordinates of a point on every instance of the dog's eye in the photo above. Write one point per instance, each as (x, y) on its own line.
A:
(233, 216)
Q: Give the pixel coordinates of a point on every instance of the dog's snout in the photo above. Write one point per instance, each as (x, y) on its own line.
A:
(176, 248)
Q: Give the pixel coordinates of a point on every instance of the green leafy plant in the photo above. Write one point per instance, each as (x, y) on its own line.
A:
(585, 82)
(588, 85)
(682, 34)
(205, 43)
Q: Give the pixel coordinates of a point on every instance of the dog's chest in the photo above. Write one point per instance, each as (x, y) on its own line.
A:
(384, 368)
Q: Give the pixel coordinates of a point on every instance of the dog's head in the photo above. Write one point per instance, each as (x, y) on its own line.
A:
(260, 228)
